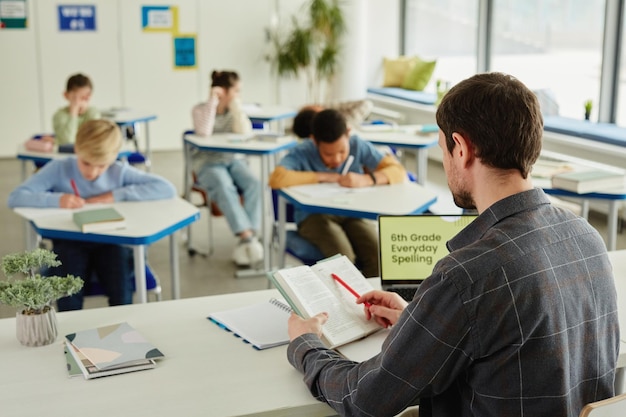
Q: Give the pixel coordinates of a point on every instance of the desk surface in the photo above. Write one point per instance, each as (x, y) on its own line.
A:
(128, 116)
(206, 371)
(405, 136)
(268, 113)
(146, 222)
(397, 199)
(223, 142)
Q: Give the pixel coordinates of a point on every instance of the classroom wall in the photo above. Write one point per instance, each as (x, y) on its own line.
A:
(134, 68)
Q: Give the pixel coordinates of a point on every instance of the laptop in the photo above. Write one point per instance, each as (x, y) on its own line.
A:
(410, 246)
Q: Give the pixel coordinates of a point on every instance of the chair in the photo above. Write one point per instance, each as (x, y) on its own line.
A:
(93, 287)
(295, 245)
(611, 407)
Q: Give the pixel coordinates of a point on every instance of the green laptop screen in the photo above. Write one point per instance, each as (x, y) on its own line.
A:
(410, 246)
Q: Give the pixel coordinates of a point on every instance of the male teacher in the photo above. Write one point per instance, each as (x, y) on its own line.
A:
(520, 319)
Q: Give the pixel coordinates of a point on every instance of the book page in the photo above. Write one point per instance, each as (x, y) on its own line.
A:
(317, 292)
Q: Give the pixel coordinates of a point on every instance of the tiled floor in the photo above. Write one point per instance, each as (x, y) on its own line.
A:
(199, 275)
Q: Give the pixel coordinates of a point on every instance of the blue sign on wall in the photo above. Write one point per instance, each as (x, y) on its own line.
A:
(184, 51)
(77, 17)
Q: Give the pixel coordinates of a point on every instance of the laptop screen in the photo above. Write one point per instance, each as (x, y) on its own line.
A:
(410, 246)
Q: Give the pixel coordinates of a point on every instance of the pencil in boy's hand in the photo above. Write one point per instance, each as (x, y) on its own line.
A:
(74, 187)
(349, 288)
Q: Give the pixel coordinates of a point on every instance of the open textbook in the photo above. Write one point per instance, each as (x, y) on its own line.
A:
(312, 290)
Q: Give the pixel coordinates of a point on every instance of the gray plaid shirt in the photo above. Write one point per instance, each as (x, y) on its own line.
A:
(519, 320)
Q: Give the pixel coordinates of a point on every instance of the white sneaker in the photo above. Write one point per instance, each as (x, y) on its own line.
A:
(240, 254)
(255, 251)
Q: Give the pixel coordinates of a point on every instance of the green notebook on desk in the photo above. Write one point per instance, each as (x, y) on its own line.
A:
(96, 220)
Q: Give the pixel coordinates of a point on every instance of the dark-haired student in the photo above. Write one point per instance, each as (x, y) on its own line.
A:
(323, 159)
(225, 175)
(520, 319)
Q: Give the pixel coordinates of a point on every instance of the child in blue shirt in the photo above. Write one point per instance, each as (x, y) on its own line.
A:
(322, 159)
(99, 178)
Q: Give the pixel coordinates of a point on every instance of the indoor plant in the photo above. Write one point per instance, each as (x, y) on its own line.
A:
(33, 294)
(311, 47)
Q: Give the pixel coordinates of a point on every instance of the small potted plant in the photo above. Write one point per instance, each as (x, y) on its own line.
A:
(588, 107)
(33, 294)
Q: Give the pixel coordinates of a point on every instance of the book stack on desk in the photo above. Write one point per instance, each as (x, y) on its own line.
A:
(583, 182)
(108, 350)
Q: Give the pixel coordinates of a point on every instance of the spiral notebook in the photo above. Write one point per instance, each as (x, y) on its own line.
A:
(263, 325)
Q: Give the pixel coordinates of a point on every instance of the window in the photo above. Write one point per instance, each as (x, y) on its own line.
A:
(445, 30)
(554, 46)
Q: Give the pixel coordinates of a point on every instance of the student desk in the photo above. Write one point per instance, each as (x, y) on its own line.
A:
(268, 114)
(25, 156)
(128, 117)
(146, 223)
(405, 136)
(223, 142)
(367, 203)
(613, 197)
(206, 370)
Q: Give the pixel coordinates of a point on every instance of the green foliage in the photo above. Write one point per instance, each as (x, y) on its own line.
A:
(34, 293)
(311, 47)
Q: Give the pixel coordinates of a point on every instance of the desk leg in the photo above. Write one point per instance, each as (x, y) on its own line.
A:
(148, 151)
(421, 158)
(282, 234)
(265, 241)
(174, 267)
(23, 170)
(612, 225)
(139, 252)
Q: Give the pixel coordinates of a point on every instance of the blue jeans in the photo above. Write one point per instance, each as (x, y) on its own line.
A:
(111, 264)
(223, 183)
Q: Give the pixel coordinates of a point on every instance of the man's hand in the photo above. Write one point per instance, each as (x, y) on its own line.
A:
(102, 198)
(297, 326)
(71, 201)
(385, 307)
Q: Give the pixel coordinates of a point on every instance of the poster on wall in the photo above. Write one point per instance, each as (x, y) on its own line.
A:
(77, 18)
(13, 14)
(184, 51)
(159, 18)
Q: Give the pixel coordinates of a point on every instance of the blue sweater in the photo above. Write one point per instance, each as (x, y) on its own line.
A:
(45, 188)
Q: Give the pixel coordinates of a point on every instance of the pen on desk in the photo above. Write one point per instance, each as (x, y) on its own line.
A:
(74, 187)
(349, 288)
(348, 164)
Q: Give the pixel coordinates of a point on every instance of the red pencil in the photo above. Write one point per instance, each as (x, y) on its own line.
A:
(74, 187)
(349, 288)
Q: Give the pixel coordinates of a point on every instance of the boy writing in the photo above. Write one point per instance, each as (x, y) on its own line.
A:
(98, 179)
(67, 120)
(323, 159)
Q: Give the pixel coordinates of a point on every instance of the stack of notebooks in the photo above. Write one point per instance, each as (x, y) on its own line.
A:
(108, 350)
(589, 181)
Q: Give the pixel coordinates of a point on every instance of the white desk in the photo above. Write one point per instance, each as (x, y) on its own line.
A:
(147, 222)
(269, 114)
(613, 197)
(405, 136)
(261, 148)
(397, 199)
(24, 155)
(129, 117)
(206, 370)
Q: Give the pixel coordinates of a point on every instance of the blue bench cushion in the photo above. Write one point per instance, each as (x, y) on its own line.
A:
(601, 132)
(412, 96)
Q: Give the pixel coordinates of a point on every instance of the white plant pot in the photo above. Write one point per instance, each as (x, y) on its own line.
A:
(36, 329)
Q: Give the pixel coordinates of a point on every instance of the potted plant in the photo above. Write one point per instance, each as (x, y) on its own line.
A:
(33, 294)
(311, 47)
(588, 107)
